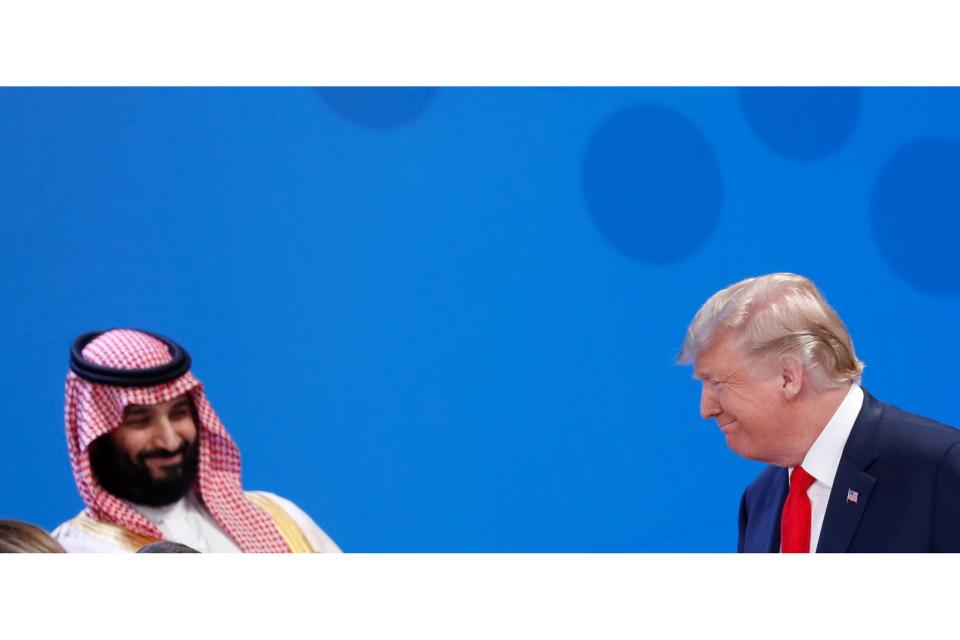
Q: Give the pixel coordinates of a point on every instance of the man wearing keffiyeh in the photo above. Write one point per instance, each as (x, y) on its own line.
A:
(152, 461)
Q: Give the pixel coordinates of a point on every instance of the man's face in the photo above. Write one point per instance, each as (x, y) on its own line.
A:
(151, 458)
(745, 401)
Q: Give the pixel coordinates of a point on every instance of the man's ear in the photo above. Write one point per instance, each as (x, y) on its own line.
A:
(792, 375)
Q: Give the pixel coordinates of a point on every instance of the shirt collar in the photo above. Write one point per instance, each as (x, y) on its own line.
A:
(823, 458)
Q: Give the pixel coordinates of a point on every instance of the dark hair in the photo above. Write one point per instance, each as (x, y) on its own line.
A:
(165, 546)
(21, 537)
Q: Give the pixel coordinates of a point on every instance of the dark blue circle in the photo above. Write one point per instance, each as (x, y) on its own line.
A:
(916, 214)
(652, 184)
(802, 123)
(378, 107)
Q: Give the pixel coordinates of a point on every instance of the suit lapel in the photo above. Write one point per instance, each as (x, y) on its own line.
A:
(774, 508)
(852, 485)
(762, 534)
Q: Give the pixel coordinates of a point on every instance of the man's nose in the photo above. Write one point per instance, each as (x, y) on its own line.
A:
(709, 407)
(165, 436)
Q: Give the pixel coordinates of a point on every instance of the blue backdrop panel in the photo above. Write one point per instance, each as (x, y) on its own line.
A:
(445, 319)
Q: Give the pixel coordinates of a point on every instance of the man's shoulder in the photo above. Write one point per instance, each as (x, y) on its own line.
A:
(912, 436)
(287, 505)
(316, 537)
(85, 534)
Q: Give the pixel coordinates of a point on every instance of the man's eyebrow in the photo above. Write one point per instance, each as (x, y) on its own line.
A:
(134, 409)
(181, 403)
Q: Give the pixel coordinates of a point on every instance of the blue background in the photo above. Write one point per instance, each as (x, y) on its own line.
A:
(446, 319)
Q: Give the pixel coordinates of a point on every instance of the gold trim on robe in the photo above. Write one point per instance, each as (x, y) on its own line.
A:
(111, 532)
(289, 529)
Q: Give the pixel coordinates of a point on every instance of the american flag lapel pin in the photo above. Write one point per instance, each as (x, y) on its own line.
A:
(852, 496)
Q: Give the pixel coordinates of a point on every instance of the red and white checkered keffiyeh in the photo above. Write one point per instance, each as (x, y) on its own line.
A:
(92, 410)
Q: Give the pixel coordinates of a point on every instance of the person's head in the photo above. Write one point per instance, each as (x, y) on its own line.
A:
(165, 546)
(133, 417)
(140, 429)
(773, 358)
(21, 537)
(151, 457)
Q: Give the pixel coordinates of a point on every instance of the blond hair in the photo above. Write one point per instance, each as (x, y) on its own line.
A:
(21, 537)
(778, 314)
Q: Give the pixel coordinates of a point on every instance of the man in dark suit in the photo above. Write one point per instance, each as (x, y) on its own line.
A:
(848, 473)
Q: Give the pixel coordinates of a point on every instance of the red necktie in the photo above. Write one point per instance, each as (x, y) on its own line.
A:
(795, 520)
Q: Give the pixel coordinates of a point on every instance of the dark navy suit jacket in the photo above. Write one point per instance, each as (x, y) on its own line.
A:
(905, 470)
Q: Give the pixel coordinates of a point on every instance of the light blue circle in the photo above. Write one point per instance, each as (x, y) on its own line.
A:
(652, 184)
(378, 107)
(916, 214)
(802, 123)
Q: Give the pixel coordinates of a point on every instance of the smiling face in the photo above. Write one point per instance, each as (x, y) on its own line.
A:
(151, 458)
(747, 402)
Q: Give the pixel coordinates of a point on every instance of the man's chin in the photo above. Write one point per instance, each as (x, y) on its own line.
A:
(751, 454)
(736, 445)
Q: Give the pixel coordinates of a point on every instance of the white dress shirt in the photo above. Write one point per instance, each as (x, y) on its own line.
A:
(823, 458)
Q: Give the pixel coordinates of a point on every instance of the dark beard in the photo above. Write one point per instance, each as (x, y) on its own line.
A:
(133, 481)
